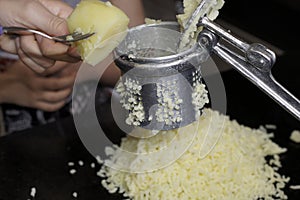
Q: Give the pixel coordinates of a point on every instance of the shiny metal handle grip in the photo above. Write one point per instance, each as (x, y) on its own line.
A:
(263, 80)
(257, 54)
(255, 63)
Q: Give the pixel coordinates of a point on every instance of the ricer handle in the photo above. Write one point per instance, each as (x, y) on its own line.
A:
(255, 64)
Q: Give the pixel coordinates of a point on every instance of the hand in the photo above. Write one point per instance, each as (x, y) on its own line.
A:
(21, 86)
(48, 16)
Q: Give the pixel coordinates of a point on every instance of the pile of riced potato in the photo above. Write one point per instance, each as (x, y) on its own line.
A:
(225, 160)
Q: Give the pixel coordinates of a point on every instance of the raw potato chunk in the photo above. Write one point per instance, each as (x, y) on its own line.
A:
(109, 23)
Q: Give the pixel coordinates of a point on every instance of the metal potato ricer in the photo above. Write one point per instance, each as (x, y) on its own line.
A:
(162, 89)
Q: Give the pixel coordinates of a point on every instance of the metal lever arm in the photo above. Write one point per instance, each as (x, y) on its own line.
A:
(255, 64)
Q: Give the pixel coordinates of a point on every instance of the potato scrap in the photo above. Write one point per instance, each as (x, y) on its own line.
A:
(295, 136)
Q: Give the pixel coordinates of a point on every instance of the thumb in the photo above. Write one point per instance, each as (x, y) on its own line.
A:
(47, 19)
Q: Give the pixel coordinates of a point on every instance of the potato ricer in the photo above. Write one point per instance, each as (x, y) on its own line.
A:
(159, 83)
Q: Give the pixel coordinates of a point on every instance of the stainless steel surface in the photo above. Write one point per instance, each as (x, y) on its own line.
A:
(255, 63)
(72, 37)
(172, 71)
(215, 28)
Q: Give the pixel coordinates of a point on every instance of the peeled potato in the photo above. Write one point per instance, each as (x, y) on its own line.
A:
(109, 23)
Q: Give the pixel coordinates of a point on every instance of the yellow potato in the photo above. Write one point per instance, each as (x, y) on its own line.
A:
(109, 23)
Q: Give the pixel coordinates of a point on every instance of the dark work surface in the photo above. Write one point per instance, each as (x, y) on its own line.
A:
(250, 106)
(273, 21)
(38, 157)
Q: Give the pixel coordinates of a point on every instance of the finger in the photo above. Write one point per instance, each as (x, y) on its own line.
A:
(56, 50)
(58, 8)
(40, 17)
(56, 68)
(54, 96)
(73, 51)
(49, 17)
(29, 45)
(54, 83)
(62, 69)
(30, 63)
(49, 107)
(7, 44)
(27, 60)
(70, 70)
(59, 51)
